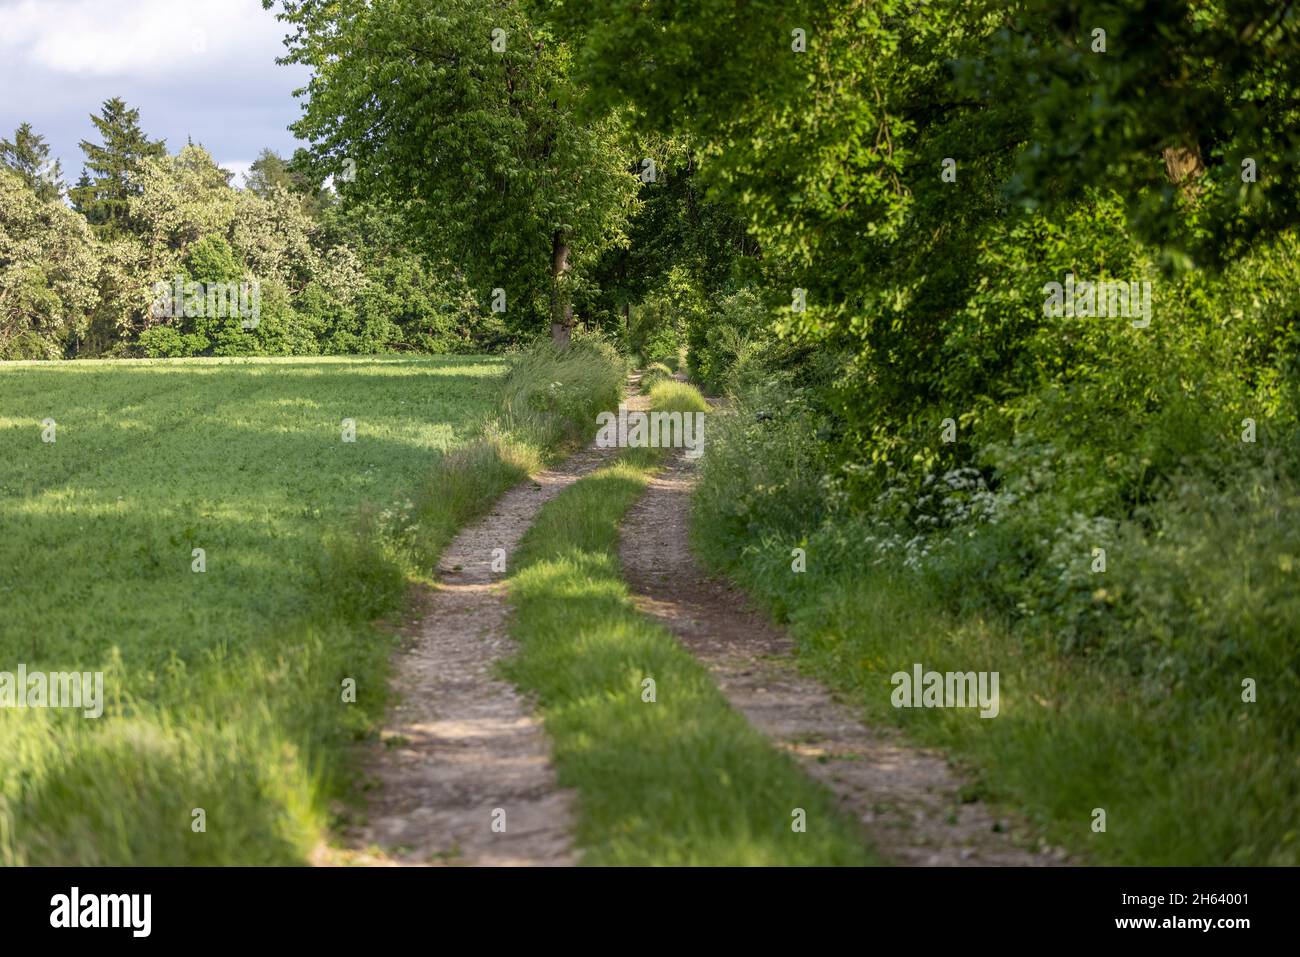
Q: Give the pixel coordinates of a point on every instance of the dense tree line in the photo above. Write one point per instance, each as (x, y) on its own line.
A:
(859, 219)
(1000, 291)
(81, 268)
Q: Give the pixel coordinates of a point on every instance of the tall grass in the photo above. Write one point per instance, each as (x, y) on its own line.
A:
(672, 396)
(1141, 711)
(551, 397)
(225, 689)
(655, 373)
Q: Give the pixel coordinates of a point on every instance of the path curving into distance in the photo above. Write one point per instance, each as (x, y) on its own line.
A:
(462, 745)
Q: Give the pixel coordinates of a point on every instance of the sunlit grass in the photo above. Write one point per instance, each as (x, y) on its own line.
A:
(225, 688)
(683, 779)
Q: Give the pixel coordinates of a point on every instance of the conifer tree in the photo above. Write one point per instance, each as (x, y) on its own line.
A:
(28, 155)
(102, 197)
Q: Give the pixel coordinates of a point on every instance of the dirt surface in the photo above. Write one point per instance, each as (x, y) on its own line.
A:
(461, 743)
(907, 799)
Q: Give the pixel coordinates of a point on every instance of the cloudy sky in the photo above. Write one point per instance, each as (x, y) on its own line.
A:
(203, 69)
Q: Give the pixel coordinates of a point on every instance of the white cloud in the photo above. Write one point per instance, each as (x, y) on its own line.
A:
(240, 169)
(128, 38)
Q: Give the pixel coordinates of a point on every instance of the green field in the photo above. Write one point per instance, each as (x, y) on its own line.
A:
(223, 688)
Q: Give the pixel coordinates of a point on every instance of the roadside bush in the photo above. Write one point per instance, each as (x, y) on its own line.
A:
(726, 341)
(164, 342)
(1168, 448)
(994, 568)
(764, 474)
(552, 396)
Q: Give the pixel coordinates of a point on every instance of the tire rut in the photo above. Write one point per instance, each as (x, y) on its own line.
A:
(462, 745)
(907, 799)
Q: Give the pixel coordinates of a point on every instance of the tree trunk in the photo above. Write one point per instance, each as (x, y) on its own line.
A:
(561, 309)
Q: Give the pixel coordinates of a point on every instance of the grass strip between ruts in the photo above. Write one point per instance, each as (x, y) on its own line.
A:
(683, 778)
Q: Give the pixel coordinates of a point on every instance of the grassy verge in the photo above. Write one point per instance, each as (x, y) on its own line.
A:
(1148, 723)
(547, 408)
(225, 689)
(682, 779)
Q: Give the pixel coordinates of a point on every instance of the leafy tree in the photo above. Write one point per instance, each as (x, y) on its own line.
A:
(28, 155)
(83, 187)
(276, 237)
(409, 299)
(1188, 109)
(833, 152)
(180, 200)
(463, 116)
(270, 171)
(677, 231)
(310, 184)
(103, 198)
(48, 272)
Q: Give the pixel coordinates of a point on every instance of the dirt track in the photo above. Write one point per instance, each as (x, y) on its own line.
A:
(462, 746)
(461, 743)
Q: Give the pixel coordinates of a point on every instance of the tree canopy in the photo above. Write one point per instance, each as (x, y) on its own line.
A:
(28, 155)
(103, 197)
(463, 115)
